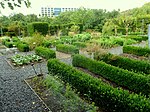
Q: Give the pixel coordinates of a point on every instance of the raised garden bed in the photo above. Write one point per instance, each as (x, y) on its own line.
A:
(57, 96)
(22, 60)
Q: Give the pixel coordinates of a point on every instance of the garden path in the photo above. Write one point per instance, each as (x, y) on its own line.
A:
(15, 95)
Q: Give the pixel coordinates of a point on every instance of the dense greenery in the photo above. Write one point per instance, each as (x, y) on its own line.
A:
(45, 52)
(39, 27)
(112, 99)
(136, 50)
(19, 60)
(123, 62)
(121, 77)
(70, 49)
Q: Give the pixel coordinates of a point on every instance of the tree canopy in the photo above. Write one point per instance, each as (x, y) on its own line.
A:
(14, 3)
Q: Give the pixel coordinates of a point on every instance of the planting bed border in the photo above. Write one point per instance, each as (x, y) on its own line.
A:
(25, 80)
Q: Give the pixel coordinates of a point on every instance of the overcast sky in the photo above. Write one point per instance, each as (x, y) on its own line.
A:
(109, 5)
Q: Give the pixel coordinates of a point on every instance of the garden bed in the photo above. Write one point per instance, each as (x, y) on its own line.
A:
(19, 61)
(55, 98)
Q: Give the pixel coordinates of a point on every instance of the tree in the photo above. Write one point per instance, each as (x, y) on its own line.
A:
(14, 3)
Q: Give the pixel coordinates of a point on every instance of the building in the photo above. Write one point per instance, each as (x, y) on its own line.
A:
(54, 11)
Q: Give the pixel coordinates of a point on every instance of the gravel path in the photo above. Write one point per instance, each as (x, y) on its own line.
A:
(15, 95)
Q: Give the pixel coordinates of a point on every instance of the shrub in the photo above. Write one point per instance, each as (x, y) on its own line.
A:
(79, 44)
(134, 82)
(40, 27)
(47, 44)
(15, 39)
(67, 49)
(105, 96)
(45, 52)
(8, 44)
(136, 50)
(23, 47)
(123, 62)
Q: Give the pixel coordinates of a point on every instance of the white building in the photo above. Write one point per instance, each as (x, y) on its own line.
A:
(54, 11)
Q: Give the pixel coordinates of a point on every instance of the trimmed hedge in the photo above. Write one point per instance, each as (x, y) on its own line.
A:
(45, 52)
(123, 62)
(8, 44)
(136, 50)
(104, 96)
(47, 44)
(79, 44)
(23, 47)
(134, 82)
(67, 49)
(41, 27)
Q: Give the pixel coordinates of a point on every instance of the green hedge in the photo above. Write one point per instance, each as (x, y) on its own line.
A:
(136, 50)
(123, 62)
(47, 44)
(45, 52)
(67, 49)
(104, 96)
(79, 44)
(132, 81)
(8, 44)
(22, 47)
(41, 27)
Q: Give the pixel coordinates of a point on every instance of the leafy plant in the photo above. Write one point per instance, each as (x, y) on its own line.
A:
(19, 60)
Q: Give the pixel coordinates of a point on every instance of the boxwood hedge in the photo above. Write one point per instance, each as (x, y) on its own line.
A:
(136, 50)
(104, 96)
(124, 62)
(134, 82)
(45, 52)
(67, 49)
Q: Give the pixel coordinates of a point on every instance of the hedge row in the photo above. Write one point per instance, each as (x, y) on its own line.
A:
(134, 82)
(123, 62)
(23, 47)
(41, 27)
(136, 50)
(45, 52)
(67, 49)
(79, 44)
(104, 96)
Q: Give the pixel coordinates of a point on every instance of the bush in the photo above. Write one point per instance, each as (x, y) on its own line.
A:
(8, 44)
(45, 52)
(105, 96)
(123, 62)
(39, 27)
(136, 50)
(134, 82)
(67, 49)
(79, 44)
(47, 44)
(23, 47)
(15, 39)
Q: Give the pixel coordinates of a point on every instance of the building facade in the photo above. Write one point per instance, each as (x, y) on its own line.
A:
(54, 11)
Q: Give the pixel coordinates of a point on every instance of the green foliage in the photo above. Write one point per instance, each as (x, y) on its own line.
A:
(38, 27)
(121, 77)
(13, 3)
(136, 38)
(67, 49)
(23, 47)
(8, 44)
(105, 96)
(15, 39)
(34, 41)
(45, 52)
(66, 96)
(47, 44)
(79, 44)
(19, 60)
(123, 62)
(136, 50)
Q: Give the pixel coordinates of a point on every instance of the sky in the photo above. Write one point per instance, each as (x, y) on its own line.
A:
(109, 5)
